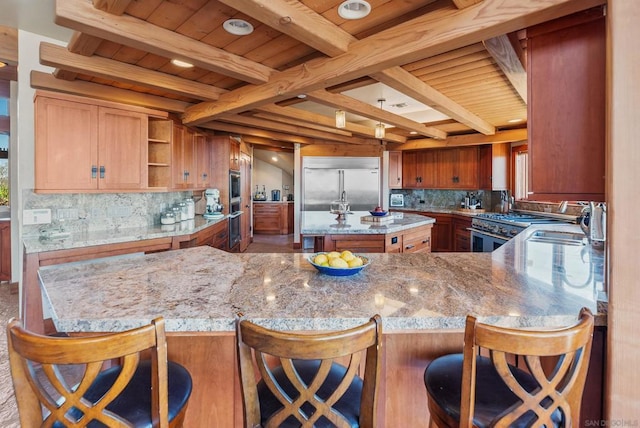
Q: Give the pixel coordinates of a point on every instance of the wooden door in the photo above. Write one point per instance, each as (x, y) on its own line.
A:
(234, 154)
(395, 170)
(5, 251)
(66, 145)
(246, 204)
(122, 149)
(203, 161)
(446, 169)
(442, 232)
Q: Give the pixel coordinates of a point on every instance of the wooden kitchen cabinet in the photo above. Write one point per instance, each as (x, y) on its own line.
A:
(442, 232)
(417, 240)
(90, 146)
(203, 161)
(395, 170)
(271, 218)
(494, 166)
(566, 107)
(461, 233)
(234, 154)
(183, 163)
(419, 169)
(458, 168)
(414, 240)
(159, 153)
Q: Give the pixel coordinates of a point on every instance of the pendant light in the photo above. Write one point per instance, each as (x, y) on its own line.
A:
(341, 119)
(380, 129)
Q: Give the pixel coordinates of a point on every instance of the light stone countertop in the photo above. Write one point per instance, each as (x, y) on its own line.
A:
(522, 284)
(324, 222)
(36, 244)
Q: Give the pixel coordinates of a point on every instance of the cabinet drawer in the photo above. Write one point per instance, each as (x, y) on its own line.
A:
(266, 209)
(417, 245)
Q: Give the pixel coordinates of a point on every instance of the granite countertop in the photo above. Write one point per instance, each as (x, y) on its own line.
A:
(440, 210)
(37, 244)
(522, 284)
(323, 222)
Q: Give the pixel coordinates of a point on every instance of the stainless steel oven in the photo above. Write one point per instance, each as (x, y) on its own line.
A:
(482, 242)
(234, 185)
(234, 223)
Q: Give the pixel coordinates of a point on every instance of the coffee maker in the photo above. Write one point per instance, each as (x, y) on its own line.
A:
(214, 207)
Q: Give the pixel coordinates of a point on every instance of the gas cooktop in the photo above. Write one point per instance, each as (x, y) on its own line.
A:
(515, 217)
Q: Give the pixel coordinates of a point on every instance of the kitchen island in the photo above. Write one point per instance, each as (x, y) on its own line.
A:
(423, 300)
(360, 232)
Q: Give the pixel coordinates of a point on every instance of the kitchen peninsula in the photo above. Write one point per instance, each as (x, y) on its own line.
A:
(423, 299)
(397, 233)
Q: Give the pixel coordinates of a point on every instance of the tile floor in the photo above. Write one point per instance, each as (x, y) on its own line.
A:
(8, 310)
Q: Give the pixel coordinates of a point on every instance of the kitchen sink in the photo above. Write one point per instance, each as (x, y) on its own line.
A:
(558, 237)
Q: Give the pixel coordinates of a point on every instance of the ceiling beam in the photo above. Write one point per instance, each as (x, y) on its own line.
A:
(296, 113)
(405, 82)
(284, 145)
(115, 7)
(372, 112)
(40, 80)
(507, 136)
(255, 132)
(293, 129)
(298, 21)
(133, 32)
(297, 122)
(9, 45)
(57, 56)
(407, 42)
(82, 44)
(506, 57)
(463, 4)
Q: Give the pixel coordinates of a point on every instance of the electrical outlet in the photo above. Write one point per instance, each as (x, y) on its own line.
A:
(422, 201)
(119, 211)
(39, 216)
(67, 214)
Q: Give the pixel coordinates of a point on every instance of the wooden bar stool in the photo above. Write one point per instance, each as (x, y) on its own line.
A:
(304, 382)
(471, 390)
(134, 392)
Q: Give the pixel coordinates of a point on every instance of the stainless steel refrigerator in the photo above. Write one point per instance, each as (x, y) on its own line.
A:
(325, 178)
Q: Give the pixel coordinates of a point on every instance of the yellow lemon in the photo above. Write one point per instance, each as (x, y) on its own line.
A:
(355, 262)
(337, 262)
(333, 255)
(346, 255)
(320, 259)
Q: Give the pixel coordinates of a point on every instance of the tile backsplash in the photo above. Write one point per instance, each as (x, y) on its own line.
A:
(449, 199)
(88, 212)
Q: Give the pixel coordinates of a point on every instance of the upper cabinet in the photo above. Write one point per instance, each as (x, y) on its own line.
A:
(566, 108)
(494, 166)
(455, 168)
(83, 145)
(203, 160)
(234, 154)
(183, 162)
(395, 170)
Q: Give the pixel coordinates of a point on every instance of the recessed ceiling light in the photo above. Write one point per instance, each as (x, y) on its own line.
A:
(273, 158)
(2, 64)
(238, 27)
(514, 120)
(301, 96)
(182, 64)
(354, 9)
(413, 132)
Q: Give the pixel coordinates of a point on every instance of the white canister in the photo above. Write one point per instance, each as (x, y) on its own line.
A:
(191, 208)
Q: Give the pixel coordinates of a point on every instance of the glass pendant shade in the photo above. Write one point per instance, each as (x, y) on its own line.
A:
(380, 131)
(341, 119)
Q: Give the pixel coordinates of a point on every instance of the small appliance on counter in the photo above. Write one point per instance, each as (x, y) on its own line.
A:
(396, 200)
(260, 195)
(214, 207)
(275, 195)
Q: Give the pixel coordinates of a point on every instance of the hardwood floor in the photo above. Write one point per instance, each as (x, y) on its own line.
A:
(272, 244)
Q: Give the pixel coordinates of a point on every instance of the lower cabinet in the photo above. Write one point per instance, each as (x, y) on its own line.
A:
(450, 232)
(414, 240)
(272, 218)
(461, 233)
(216, 236)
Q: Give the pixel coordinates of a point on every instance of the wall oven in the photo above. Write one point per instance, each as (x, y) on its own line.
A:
(234, 185)
(234, 223)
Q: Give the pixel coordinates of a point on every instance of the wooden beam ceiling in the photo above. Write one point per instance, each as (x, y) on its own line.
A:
(503, 52)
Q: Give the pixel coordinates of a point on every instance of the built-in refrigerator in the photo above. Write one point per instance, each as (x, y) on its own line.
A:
(324, 179)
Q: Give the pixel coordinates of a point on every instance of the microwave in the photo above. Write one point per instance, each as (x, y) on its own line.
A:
(396, 200)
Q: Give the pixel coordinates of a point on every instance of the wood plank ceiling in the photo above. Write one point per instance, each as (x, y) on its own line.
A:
(463, 58)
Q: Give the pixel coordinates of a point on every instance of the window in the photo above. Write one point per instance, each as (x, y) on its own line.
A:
(4, 151)
(520, 177)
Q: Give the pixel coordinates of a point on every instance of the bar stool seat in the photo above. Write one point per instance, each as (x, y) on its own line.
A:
(482, 387)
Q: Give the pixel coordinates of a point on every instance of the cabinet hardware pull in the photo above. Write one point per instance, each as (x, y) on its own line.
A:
(94, 171)
(408, 247)
(426, 241)
(102, 171)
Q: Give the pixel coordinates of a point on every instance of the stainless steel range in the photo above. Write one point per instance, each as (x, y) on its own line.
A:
(490, 230)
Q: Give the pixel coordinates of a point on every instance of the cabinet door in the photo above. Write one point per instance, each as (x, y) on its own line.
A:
(458, 168)
(203, 161)
(66, 145)
(441, 233)
(428, 168)
(183, 158)
(410, 178)
(566, 75)
(494, 164)
(122, 149)
(234, 154)
(461, 234)
(395, 170)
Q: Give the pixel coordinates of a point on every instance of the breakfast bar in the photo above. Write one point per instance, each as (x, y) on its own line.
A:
(422, 298)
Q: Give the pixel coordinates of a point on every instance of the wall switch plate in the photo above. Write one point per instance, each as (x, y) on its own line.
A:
(39, 216)
(67, 214)
(119, 211)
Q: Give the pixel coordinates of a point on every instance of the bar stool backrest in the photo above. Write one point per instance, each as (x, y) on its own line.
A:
(560, 388)
(43, 394)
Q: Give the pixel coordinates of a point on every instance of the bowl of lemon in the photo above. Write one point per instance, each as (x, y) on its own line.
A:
(336, 263)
